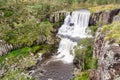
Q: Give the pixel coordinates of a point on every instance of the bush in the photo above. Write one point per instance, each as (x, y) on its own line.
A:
(93, 29)
(16, 75)
(84, 53)
(83, 76)
(112, 32)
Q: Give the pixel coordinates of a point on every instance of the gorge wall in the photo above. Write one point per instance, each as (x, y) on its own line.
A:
(107, 52)
(108, 55)
(98, 18)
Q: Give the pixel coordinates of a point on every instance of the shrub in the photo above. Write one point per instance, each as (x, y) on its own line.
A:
(112, 32)
(83, 76)
(84, 53)
(93, 29)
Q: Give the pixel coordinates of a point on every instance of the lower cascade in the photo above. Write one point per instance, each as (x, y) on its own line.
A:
(72, 30)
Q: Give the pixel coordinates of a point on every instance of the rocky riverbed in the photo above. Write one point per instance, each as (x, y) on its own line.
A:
(53, 70)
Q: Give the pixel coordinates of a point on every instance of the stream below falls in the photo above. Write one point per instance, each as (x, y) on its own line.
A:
(60, 66)
(57, 70)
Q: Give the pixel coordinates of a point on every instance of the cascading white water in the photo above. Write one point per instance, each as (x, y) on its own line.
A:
(73, 29)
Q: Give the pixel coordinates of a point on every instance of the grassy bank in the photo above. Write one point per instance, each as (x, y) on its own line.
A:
(15, 62)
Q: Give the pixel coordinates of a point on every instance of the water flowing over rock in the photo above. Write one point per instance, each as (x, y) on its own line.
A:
(101, 18)
(60, 66)
(70, 32)
(97, 18)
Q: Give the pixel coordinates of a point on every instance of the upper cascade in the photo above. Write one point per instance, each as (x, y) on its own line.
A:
(75, 24)
(72, 30)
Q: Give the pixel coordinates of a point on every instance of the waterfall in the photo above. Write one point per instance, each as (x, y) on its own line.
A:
(72, 30)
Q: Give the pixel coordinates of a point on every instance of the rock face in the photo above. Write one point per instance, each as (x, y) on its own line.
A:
(4, 47)
(98, 18)
(116, 18)
(57, 16)
(108, 55)
(103, 17)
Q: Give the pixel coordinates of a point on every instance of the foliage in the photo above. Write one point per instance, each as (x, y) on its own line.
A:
(17, 53)
(24, 52)
(112, 32)
(93, 29)
(103, 7)
(94, 63)
(25, 23)
(16, 61)
(84, 53)
(22, 25)
(16, 75)
(83, 76)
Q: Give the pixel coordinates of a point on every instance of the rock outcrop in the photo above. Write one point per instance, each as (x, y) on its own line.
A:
(98, 18)
(4, 47)
(103, 17)
(108, 55)
(116, 18)
(58, 16)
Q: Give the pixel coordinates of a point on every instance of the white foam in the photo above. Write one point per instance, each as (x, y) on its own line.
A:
(74, 27)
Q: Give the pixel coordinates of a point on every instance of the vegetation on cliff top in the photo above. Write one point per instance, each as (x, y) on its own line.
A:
(112, 32)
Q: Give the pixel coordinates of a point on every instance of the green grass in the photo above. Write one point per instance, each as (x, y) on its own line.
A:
(24, 52)
(83, 76)
(15, 53)
(19, 53)
(112, 32)
(22, 58)
(98, 8)
(16, 75)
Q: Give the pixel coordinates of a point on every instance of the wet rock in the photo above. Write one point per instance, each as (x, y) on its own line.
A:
(98, 18)
(54, 70)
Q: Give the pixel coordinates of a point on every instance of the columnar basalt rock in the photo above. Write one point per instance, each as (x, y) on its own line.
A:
(98, 18)
(103, 17)
(108, 55)
(57, 16)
